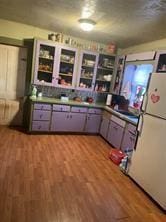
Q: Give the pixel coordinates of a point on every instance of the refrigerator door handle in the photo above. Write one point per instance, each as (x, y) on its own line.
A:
(140, 125)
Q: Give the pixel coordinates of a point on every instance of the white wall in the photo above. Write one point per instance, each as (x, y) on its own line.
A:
(150, 46)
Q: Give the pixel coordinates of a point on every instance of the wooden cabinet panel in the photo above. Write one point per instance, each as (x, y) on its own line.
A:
(41, 115)
(79, 109)
(68, 122)
(128, 142)
(40, 125)
(77, 122)
(129, 138)
(95, 111)
(93, 123)
(115, 134)
(60, 121)
(104, 127)
(63, 108)
(42, 106)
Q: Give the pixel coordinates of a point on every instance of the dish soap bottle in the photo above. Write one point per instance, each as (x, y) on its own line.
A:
(34, 92)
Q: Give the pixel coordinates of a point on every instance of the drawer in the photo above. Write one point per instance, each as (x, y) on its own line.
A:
(40, 126)
(118, 121)
(41, 115)
(76, 109)
(131, 128)
(62, 108)
(95, 111)
(42, 106)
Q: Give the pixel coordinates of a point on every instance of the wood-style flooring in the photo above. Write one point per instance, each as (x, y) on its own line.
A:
(66, 178)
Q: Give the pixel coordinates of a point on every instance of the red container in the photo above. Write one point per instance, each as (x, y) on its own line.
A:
(116, 156)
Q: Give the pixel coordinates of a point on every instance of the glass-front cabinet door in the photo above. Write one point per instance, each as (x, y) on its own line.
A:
(87, 70)
(66, 67)
(45, 58)
(118, 74)
(105, 69)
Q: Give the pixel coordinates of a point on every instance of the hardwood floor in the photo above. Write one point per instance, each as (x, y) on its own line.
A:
(66, 178)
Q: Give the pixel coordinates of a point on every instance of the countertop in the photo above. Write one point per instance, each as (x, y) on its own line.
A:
(133, 120)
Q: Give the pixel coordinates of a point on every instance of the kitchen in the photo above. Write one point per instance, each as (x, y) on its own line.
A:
(52, 153)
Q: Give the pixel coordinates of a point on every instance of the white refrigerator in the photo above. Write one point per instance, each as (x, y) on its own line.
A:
(148, 163)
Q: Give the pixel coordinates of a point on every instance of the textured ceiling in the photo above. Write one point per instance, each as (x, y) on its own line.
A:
(126, 22)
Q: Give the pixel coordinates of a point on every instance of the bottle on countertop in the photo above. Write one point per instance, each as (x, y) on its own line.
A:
(34, 92)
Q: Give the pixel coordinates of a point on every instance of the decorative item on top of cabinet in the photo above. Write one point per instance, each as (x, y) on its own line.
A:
(87, 70)
(67, 67)
(44, 71)
(104, 72)
(118, 74)
(160, 61)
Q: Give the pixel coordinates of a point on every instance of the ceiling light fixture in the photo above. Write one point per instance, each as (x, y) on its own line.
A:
(87, 24)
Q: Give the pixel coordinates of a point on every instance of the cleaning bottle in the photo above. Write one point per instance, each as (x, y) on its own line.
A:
(34, 92)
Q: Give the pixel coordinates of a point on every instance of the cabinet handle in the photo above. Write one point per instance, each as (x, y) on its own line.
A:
(88, 117)
(115, 127)
(67, 116)
(41, 116)
(39, 127)
(70, 116)
(41, 107)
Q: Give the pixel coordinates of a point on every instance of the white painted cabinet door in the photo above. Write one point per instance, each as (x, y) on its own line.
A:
(12, 84)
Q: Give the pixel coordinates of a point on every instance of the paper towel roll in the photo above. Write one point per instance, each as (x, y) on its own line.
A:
(109, 98)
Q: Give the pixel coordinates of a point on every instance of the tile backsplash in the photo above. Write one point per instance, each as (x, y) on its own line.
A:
(56, 92)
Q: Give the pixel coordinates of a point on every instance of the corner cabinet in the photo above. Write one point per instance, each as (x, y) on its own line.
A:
(87, 70)
(45, 63)
(104, 73)
(55, 64)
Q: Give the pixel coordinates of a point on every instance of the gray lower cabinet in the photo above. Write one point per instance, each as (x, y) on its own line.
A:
(129, 138)
(104, 127)
(92, 123)
(41, 117)
(40, 125)
(115, 134)
(68, 122)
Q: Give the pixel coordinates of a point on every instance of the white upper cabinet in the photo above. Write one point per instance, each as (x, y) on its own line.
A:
(141, 56)
(104, 74)
(45, 63)
(87, 70)
(55, 64)
(66, 67)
